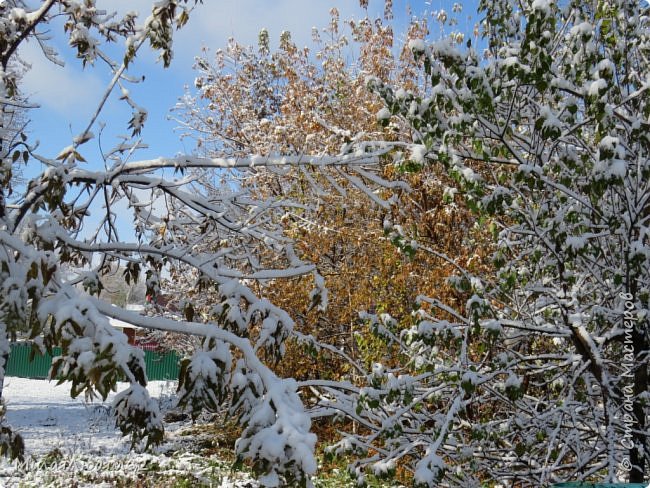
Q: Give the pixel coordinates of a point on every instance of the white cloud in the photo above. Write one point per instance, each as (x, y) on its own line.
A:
(67, 90)
(73, 91)
(71, 94)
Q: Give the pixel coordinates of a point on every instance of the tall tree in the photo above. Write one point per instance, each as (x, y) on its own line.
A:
(47, 251)
(303, 102)
(543, 375)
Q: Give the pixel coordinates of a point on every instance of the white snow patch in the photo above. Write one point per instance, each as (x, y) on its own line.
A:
(543, 6)
(418, 153)
(596, 87)
(417, 45)
(48, 418)
(89, 444)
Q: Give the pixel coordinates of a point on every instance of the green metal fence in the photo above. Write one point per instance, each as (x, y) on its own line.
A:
(159, 366)
(20, 365)
(162, 366)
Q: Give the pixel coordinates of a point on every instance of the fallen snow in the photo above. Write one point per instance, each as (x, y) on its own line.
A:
(75, 442)
(47, 418)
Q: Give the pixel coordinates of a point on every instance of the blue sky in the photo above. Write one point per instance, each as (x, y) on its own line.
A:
(68, 96)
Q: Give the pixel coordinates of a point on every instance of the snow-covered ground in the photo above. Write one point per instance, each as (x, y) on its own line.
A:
(75, 441)
(47, 418)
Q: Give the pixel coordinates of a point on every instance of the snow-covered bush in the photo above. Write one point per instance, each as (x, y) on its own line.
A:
(543, 375)
(52, 263)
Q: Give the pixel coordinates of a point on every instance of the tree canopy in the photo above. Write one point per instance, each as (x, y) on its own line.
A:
(546, 135)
